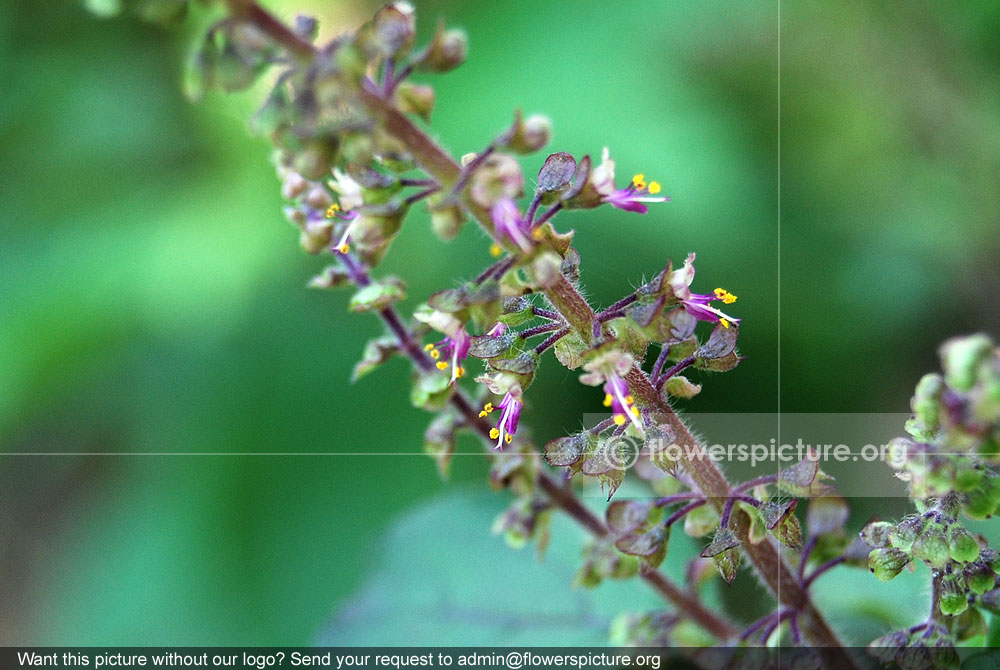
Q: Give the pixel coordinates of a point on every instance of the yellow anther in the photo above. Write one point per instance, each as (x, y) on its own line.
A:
(494, 433)
(620, 419)
(507, 438)
(495, 250)
(441, 365)
(635, 411)
(629, 399)
(483, 413)
(332, 210)
(608, 400)
(724, 322)
(435, 354)
(536, 234)
(639, 181)
(344, 248)
(654, 187)
(725, 296)
(488, 407)
(428, 347)
(459, 371)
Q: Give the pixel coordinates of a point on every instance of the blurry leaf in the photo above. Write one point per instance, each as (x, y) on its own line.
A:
(789, 532)
(489, 346)
(378, 295)
(724, 540)
(723, 364)
(439, 441)
(826, 514)
(728, 564)
(570, 350)
(680, 386)
(431, 391)
(377, 352)
(721, 342)
(516, 598)
(566, 451)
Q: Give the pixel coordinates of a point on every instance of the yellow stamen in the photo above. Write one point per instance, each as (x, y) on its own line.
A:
(725, 296)
(639, 181)
(428, 347)
(724, 322)
(459, 371)
(483, 413)
(441, 365)
(344, 248)
(488, 407)
(635, 411)
(507, 438)
(332, 210)
(494, 433)
(495, 250)
(620, 419)
(536, 234)
(608, 400)
(654, 187)
(435, 354)
(629, 399)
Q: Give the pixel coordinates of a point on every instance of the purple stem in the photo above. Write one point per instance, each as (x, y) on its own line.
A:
(728, 509)
(472, 166)
(608, 315)
(549, 213)
(759, 481)
(387, 79)
(416, 197)
(538, 330)
(601, 427)
(496, 270)
(621, 304)
(661, 360)
(679, 514)
(529, 217)
(832, 563)
(793, 626)
(418, 182)
(757, 625)
(687, 362)
(558, 335)
(810, 545)
(675, 498)
(546, 313)
(769, 631)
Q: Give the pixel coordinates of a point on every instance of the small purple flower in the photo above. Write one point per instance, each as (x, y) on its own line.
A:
(631, 199)
(505, 429)
(509, 224)
(454, 348)
(622, 404)
(697, 304)
(334, 212)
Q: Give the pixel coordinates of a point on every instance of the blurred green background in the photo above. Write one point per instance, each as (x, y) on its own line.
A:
(152, 298)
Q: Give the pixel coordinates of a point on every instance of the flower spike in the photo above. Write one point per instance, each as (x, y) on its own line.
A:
(509, 224)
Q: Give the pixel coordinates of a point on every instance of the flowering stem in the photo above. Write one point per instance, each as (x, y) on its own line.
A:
(727, 510)
(251, 12)
(545, 313)
(679, 514)
(417, 197)
(661, 360)
(532, 209)
(538, 330)
(759, 481)
(496, 270)
(675, 498)
(558, 335)
(832, 563)
(673, 371)
(549, 213)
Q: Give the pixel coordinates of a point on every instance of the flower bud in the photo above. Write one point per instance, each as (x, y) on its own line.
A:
(905, 532)
(954, 599)
(497, 178)
(962, 547)
(979, 577)
(961, 358)
(931, 546)
(393, 29)
(877, 533)
(318, 198)
(293, 185)
(415, 99)
(887, 563)
(316, 236)
(530, 134)
(446, 220)
(445, 52)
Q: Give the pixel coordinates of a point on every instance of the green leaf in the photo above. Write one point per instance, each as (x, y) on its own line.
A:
(439, 441)
(377, 352)
(566, 451)
(570, 350)
(680, 386)
(439, 562)
(488, 346)
(378, 295)
(431, 391)
(724, 540)
(728, 564)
